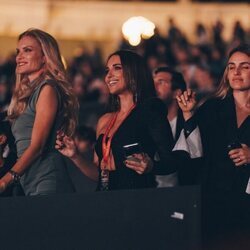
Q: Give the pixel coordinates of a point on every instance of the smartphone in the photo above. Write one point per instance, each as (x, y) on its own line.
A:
(233, 145)
(131, 149)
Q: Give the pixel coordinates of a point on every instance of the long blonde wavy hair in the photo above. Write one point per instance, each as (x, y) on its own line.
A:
(53, 69)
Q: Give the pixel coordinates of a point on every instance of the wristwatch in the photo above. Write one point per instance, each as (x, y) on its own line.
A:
(15, 176)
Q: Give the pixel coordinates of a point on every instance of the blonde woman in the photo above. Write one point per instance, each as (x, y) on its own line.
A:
(42, 103)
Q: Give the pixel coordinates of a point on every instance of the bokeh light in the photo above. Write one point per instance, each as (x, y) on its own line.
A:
(136, 28)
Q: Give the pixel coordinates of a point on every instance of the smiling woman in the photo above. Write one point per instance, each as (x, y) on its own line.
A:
(114, 76)
(42, 103)
(137, 117)
(29, 58)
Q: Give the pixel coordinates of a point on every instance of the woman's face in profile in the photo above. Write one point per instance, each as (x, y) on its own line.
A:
(114, 76)
(29, 59)
(239, 71)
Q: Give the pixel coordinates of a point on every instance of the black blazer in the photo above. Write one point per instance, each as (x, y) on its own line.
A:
(218, 126)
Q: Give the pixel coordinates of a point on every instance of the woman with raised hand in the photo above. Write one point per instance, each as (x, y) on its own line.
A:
(224, 123)
(42, 103)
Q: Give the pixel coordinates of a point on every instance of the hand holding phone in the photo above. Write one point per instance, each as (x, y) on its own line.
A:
(237, 156)
(136, 159)
(130, 150)
(233, 145)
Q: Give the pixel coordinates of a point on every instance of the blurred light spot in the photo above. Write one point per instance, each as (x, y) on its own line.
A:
(64, 62)
(136, 28)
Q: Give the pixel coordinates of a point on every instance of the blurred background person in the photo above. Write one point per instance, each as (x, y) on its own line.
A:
(168, 84)
(8, 157)
(239, 34)
(203, 82)
(85, 141)
(201, 35)
(95, 104)
(5, 93)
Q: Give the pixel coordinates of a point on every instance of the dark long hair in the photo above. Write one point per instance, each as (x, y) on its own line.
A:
(137, 77)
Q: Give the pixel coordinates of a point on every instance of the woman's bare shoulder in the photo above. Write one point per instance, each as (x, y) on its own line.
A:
(102, 122)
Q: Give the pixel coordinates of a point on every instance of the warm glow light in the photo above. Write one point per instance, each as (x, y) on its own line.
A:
(134, 40)
(135, 28)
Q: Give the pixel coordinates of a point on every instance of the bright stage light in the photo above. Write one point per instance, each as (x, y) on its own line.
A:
(136, 28)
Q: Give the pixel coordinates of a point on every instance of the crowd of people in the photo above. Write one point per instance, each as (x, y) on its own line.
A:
(154, 116)
(201, 62)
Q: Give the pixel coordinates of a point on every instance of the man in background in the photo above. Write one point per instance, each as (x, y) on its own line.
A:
(169, 84)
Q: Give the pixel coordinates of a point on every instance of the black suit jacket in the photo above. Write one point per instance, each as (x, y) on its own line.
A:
(218, 126)
(188, 171)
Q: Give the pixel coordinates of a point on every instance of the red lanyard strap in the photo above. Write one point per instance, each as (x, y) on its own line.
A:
(106, 141)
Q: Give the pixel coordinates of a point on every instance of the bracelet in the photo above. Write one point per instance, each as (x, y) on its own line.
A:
(15, 176)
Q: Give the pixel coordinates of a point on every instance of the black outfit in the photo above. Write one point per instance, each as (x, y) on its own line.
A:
(218, 126)
(188, 168)
(179, 125)
(225, 202)
(147, 125)
(90, 112)
(185, 176)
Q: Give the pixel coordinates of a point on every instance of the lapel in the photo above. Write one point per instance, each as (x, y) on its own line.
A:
(243, 130)
(228, 119)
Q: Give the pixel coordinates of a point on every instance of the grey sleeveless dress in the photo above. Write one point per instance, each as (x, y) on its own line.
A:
(48, 173)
